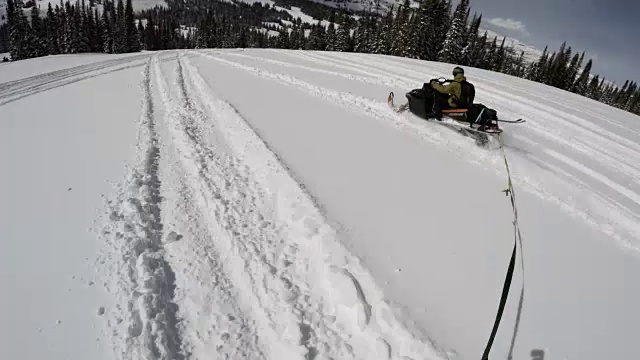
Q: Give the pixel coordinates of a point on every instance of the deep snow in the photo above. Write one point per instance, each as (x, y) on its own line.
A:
(272, 206)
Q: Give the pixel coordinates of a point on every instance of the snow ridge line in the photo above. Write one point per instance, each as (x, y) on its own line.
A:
(345, 292)
(363, 79)
(136, 229)
(355, 103)
(19, 89)
(394, 79)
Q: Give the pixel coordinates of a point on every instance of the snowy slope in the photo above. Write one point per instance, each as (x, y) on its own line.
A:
(272, 206)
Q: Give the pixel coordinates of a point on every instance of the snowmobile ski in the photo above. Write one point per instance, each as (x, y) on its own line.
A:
(517, 121)
(399, 108)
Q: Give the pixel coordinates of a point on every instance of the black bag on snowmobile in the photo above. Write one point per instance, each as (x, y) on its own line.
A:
(417, 99)
(481, 115)
(421, 101)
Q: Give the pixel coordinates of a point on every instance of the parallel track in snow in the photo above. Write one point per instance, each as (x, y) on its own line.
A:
(248, 260)
(261, 257)
(20, 89)
(146, 287)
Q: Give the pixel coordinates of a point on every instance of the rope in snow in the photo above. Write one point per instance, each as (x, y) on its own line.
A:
(517, 239)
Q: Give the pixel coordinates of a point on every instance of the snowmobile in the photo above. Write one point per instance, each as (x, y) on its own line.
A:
(421, 103)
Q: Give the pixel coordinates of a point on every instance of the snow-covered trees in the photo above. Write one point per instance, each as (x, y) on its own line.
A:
(456, 38)
(71, 28)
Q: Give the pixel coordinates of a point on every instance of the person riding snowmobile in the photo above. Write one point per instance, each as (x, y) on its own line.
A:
(449, 96)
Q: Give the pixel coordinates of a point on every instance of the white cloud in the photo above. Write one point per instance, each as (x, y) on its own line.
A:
(509, 24)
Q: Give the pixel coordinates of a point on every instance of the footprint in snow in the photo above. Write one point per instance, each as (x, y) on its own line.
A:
(172, 237)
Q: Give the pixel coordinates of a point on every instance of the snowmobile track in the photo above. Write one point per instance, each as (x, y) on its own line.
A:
(136, 234)
(240, 204)
(19, 89)
(229, 328)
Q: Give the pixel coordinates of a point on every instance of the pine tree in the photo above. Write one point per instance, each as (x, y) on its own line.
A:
(37, 35)
(571, 73)
(62, 30)
(243, 38)
(297, 35)
(107, 26)
(471, 42)
(283, 38)
(515, 65)
(455, 38)
(131, 32)
(441, 22)
(95, 36)
(559, 68)
(399, 29)
(581, 85)
(634, 103)
(150, 38)
(330, 39)
(499, 57)
(536, 70)
(383, 34)
(619, 93)
(360, 35)
(119, 31)
(84, 44)
(316, 38)
(70, 33)
(478, 53)
(343, 35)
(421, 34)
(593, 88)
(492, 53)
(50, 25)
(18, 30)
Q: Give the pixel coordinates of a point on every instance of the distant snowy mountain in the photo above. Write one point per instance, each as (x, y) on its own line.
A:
(357, 4)
(531, 53)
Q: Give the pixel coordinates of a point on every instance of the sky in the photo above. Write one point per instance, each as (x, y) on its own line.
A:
(607, 30)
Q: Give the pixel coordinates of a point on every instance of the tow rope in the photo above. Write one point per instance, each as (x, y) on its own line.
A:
(517, 239)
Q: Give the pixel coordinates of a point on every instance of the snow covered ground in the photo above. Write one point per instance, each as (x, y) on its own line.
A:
(268, 204)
